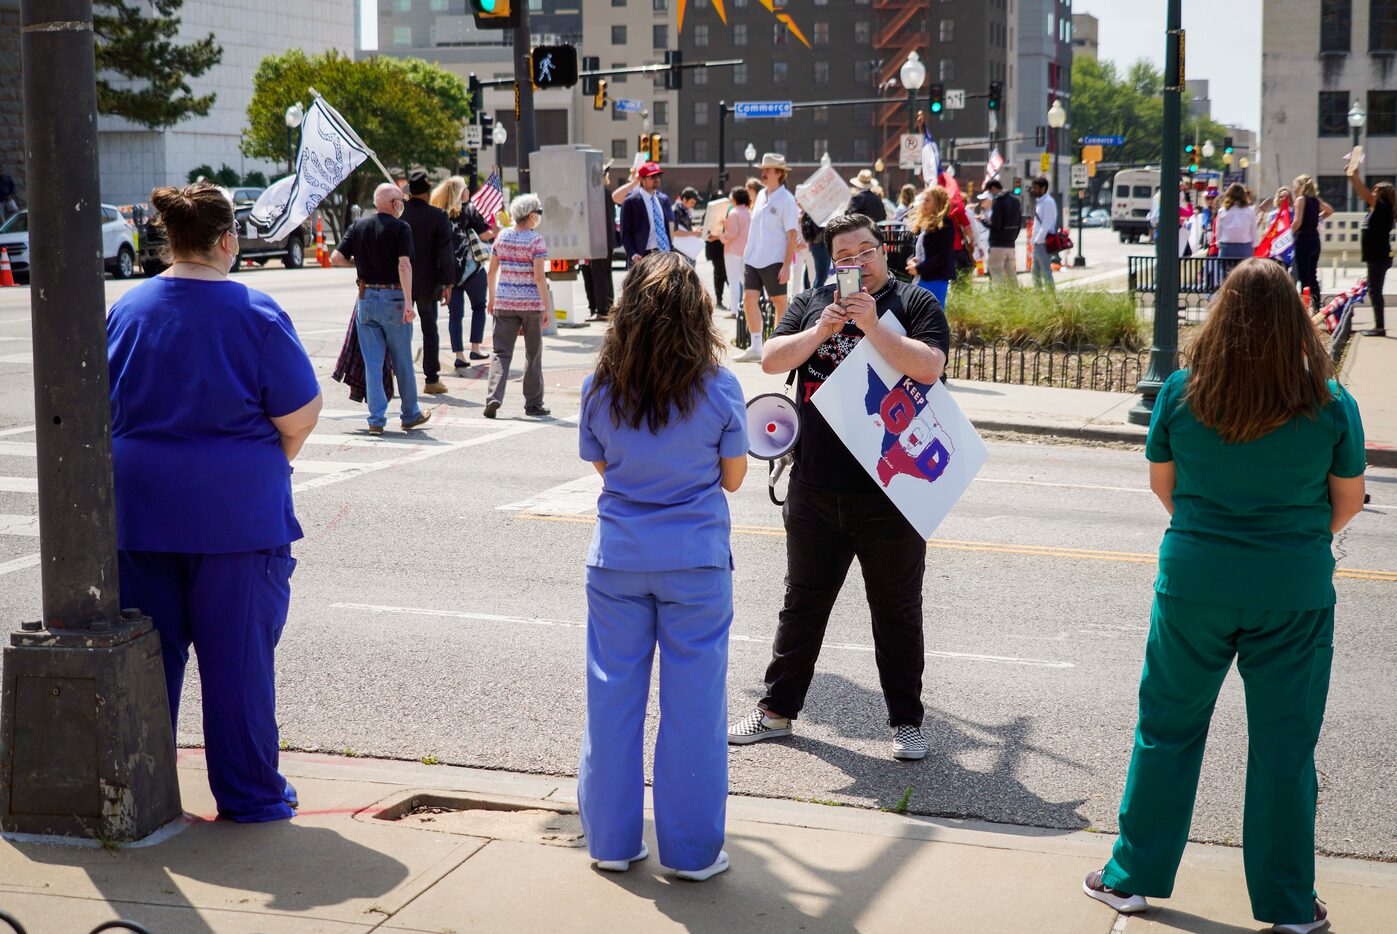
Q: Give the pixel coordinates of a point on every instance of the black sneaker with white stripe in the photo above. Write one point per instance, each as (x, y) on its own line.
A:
(908, 743)
(757, 726)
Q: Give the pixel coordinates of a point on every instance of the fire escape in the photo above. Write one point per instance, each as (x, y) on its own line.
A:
(900, 27)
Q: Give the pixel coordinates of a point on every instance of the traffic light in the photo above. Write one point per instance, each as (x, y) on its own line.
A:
(589, 85)
(674, 78)
(657, 147)
(1040, 136)
(1018, 185)
(494, 14)
(600, 100)
(487, 129)
(553, 66)
(645, 146)
(1190, 158)
(996, 95)
(1227, 144)
(938, 98)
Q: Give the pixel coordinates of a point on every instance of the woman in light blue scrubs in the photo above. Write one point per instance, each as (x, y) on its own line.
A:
(666, 427)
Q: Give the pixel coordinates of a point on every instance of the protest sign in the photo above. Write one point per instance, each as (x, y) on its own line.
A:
(823, 195)
(912, 438)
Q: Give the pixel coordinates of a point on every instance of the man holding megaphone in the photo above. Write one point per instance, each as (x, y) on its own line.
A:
(835, 511)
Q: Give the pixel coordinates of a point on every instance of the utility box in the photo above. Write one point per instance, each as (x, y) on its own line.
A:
(568, 180)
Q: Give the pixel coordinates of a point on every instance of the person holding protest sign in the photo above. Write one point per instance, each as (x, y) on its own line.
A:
(1257, 455)
(835, 511)
(666, 428)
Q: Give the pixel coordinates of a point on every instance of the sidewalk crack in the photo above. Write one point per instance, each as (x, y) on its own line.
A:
(390, 916)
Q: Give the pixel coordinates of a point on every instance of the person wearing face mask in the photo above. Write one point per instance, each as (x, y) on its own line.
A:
(212, 397)
(380, 248)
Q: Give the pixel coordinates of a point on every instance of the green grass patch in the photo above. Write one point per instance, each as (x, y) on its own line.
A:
(1074, 317)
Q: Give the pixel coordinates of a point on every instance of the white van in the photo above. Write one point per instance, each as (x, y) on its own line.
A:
(1132, 194)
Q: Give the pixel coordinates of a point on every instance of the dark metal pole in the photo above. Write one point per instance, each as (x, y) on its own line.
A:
(525, 138)
(912, 128)
(723, 147)
(290, 152)
(1353, 194)
(1164, 352)
(1079, 259)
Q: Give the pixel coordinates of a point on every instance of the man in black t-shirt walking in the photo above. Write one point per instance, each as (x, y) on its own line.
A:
(433, 270)
(379, 247)
(835, 511)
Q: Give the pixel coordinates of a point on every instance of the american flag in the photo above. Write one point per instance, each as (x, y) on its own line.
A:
(993, 166)
(490, 198)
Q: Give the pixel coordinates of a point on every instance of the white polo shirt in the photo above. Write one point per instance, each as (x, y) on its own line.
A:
(774, 216)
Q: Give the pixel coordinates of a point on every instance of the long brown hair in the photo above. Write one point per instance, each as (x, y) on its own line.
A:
(662, 344)
(1258, 361)
(447, 195)
(931, 213)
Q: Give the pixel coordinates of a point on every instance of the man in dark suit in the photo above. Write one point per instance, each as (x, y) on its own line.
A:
(433, 270)
(647, 220)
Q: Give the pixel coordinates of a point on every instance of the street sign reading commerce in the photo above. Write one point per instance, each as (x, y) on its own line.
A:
(627, 106)
(1104, 140)
(752, 110)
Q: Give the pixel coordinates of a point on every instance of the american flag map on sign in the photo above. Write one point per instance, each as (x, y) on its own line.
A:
(490, 198)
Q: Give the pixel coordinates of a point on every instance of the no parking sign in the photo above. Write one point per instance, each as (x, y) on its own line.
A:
(909, 155)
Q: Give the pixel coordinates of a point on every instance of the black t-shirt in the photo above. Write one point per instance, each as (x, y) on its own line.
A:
(869, 205)
(821, 459)
(1377, 233)
(375, 243)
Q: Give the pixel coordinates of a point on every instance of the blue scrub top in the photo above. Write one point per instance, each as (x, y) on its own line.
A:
(661, 507)
(198, 369)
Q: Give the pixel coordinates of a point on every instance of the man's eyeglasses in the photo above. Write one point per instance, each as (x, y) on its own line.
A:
(859, 259)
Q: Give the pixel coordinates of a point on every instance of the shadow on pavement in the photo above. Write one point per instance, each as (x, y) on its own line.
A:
(1170, 919)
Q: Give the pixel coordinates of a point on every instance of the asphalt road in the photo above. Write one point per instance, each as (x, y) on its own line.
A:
(438, 610)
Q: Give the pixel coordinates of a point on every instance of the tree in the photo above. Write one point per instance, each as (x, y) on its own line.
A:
(255, 180)
(1106, 103)
(135, 46)
(407, 111)
(226, 176)
(205, 172)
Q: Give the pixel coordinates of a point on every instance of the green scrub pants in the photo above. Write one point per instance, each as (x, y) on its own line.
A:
(1284, 659)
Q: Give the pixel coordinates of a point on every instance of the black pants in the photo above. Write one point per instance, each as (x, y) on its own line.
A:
(824, 532)
(1377, 273)
(713, 249)
(1307, 271)
(431, 340)
(601, 291)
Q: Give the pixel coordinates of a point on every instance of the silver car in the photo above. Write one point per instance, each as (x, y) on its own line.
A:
(118, 243)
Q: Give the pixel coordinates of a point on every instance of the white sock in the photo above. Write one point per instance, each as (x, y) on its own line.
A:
(757, 341)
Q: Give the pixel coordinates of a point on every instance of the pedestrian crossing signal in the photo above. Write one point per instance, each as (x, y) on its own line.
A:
(938, 98)
(494, 14)
(553, 66)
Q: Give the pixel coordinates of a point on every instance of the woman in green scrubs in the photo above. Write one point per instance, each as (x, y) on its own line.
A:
(1257, 454)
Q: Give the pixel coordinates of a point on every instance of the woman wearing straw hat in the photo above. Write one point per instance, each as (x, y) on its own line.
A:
(865, 199)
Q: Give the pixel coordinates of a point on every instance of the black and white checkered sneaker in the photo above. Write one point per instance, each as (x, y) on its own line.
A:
(908, 743)
(757, 726)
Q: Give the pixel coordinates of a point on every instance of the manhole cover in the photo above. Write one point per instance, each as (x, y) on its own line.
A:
(522, 820)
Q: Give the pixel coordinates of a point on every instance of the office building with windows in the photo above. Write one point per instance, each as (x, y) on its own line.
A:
(1318, 59)
(1040, 56)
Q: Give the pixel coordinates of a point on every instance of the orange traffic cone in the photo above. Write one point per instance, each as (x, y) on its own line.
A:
(7, 276)
(321, 255)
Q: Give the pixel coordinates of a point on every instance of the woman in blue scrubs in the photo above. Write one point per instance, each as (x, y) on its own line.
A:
(666, 427)
(212, 396)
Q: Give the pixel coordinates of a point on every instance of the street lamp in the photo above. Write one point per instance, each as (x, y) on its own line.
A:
(825, 161)
(913, 75)
(294, 115)
(498, 136)
(1244, 163)
(1356, 116)
(1208, 149)
(751, 155)
(1057, 119)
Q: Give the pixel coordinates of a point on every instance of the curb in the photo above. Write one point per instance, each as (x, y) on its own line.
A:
(1076, 432)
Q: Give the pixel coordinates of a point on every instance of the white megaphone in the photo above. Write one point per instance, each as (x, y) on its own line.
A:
(773, 425)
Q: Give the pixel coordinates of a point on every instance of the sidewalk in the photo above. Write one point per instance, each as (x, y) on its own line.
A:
(340, 866)
(1370, 372)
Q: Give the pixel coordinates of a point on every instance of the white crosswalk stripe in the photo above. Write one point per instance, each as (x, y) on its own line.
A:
(27, 526)
(19, 485)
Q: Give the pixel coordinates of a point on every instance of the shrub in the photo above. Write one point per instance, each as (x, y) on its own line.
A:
(1069, 316)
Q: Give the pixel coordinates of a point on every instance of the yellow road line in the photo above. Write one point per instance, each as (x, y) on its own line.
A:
(998, 548)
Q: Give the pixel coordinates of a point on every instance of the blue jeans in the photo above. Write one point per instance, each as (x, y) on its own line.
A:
(822, 263)
(936, 287)
(475, 287)
(379, 317)
(1042, 266)
(687, 614)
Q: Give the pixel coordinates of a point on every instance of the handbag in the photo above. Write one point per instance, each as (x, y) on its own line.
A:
(1058, 241)
(479, 250)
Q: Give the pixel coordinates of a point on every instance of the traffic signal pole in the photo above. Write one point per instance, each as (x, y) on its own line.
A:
(525, 129)
(86, 747)
(1164, 352)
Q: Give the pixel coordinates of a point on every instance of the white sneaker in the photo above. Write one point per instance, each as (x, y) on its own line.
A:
(750, 355)
(908, 743)
(1125, 903)
(757, 726)
(1320, 922)
(621, 865)
(700, 875)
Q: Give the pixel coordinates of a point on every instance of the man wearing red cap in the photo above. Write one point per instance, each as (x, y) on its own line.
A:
(647, 220)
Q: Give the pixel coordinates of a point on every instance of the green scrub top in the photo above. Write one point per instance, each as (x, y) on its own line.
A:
(1251, 521)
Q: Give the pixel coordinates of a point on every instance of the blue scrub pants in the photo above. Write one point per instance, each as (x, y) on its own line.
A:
(231, 608)
(688, 614)
(936, 287)
(379, 319)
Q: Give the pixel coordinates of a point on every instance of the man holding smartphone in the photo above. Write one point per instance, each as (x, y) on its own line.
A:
(835, 511)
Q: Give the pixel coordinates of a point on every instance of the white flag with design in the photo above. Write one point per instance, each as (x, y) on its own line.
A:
(330, 151)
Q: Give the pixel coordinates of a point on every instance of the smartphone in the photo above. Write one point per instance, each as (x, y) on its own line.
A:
(850, 279)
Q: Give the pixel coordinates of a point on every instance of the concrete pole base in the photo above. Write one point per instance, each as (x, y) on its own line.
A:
(86, 748)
